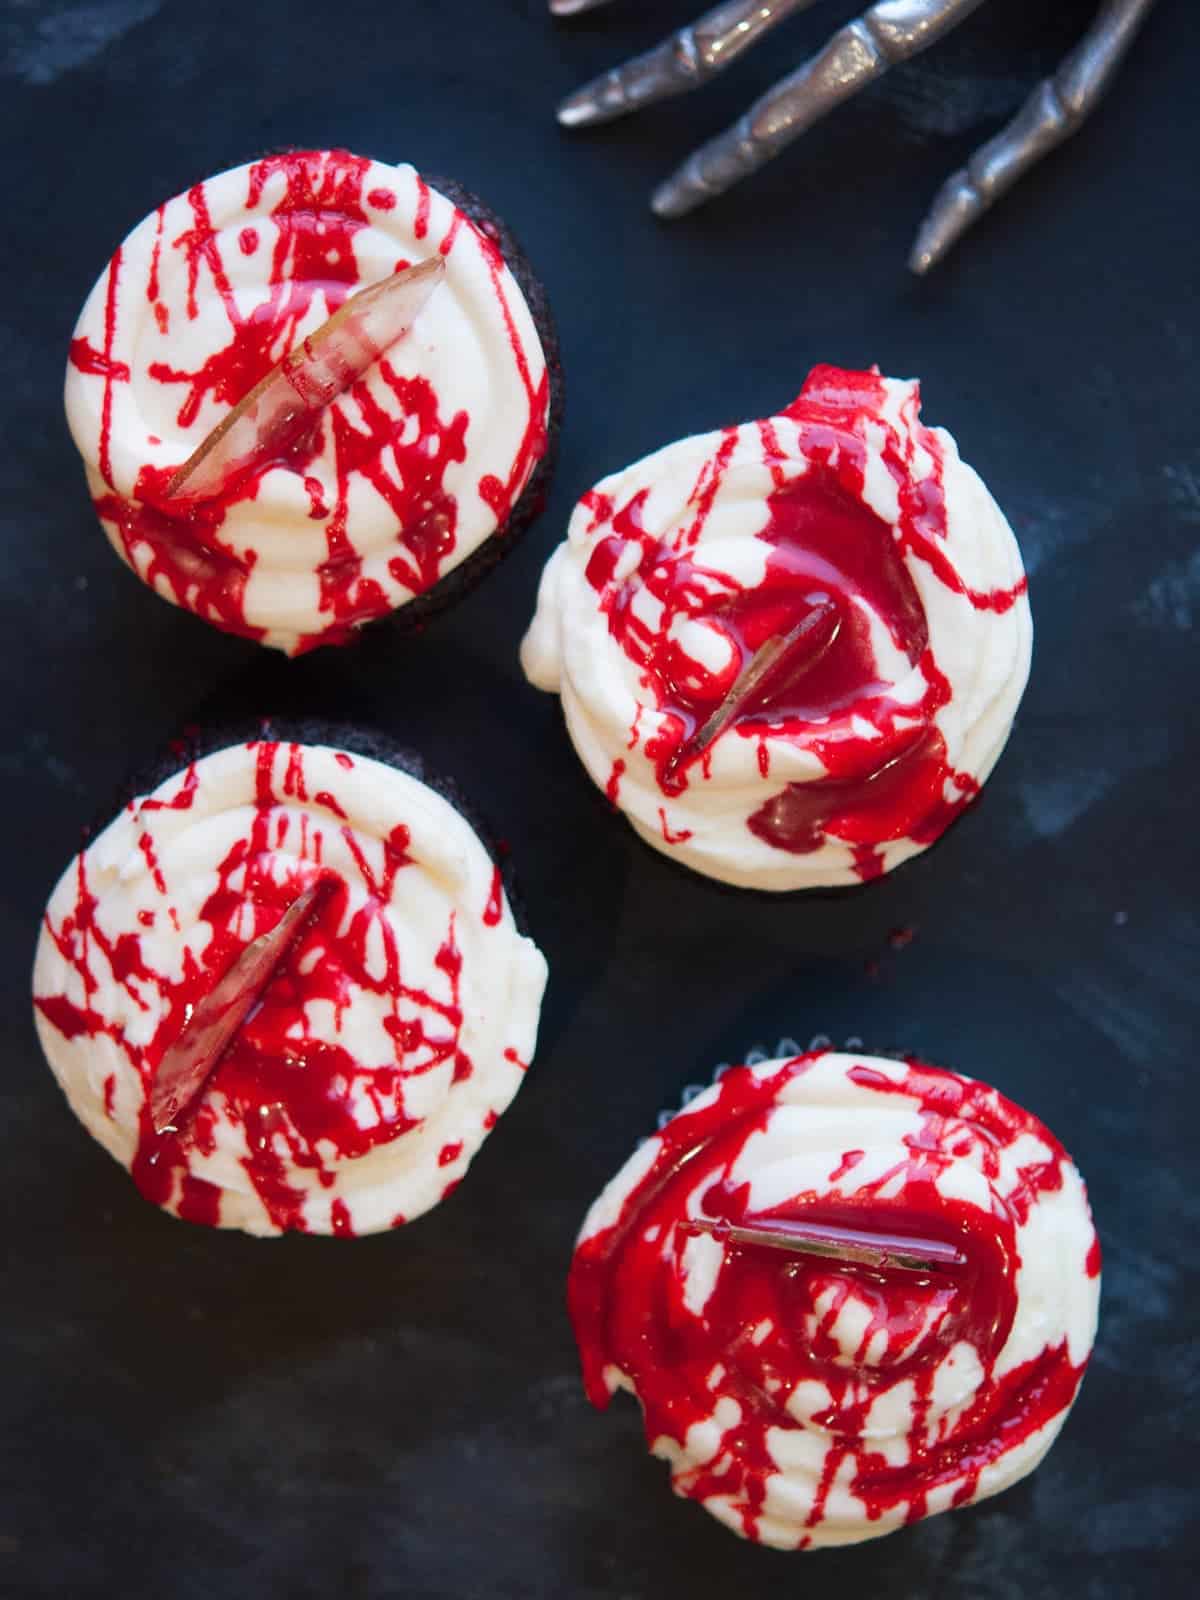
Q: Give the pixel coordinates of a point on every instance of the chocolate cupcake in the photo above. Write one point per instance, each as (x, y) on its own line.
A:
(791, 651)
(392, 495)
(286, 989)
(847, 1291)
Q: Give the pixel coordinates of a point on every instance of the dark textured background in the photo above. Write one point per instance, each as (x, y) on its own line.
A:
(194, 1416)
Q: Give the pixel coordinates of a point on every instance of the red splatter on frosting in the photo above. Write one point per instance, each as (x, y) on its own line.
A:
(829, 527)
(670, 836)
(830, 550)
(494, 909)
(307, 1095)
(783, 1348)
(397, 437)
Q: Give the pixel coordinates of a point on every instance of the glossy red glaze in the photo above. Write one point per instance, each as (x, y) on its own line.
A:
(626, 1299)
(829, 551)
(178, 548)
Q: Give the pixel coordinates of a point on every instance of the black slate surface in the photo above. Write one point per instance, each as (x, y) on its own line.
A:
(187, 1415)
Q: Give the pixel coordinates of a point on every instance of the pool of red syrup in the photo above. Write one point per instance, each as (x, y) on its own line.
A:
(626, 1300)
(178, 548)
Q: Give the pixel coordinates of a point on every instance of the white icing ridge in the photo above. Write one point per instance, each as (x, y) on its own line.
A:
(460, 343)
(151, 873)
(610, 715)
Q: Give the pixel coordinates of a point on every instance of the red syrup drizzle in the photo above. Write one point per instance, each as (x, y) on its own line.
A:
(161, 315)
(828, 550)
(494, 909)
(501, 497)
(179, 550)
(625, 1295)
(286, 1089)
(421, 221)
(100, 364)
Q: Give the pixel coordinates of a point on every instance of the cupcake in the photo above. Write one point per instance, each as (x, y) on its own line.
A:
(847, 1291)
(791, 651)
(397, 492)
(345, 1084)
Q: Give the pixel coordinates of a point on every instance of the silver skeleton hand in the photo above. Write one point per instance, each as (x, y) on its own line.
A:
(888, 32)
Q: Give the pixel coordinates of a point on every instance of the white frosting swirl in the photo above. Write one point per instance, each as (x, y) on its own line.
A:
(804, 1402)
(615, 634)
(393, 1034)
(218, 284)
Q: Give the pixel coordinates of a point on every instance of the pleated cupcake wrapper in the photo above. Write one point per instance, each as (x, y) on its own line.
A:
(784, 1049)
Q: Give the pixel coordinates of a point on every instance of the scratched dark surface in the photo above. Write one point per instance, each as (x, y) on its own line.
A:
(188, 1415)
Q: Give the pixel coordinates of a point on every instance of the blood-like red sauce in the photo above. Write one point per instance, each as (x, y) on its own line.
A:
(612, 789)
(626, 1300)
(831, 556)
(403, 453)
(1093, 1259)
(494, 909)
(670, 835)
(298, 1098)
(100, 363)
(502, 496)
(96, 363)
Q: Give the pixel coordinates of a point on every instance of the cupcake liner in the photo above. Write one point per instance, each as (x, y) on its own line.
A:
(782, 1050)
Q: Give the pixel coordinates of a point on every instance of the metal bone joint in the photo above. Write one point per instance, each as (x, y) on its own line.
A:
(889, 32)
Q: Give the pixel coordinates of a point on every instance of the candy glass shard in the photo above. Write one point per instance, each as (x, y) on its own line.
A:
(311, 376)
(836, 1243)
(190, 1061)
(817, 629)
